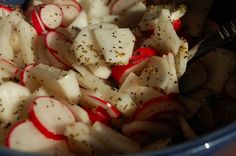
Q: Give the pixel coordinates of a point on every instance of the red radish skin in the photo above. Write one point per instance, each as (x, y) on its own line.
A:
(70, 2)
(99, 114)
(7, 140)
(164, 104)
(24, 74)
(5, 10)
(51, 16)
(139, 56)
(177, 24)
(37, 23)
(70, 12)
(111, 110)
(54, 131)
(24, 136)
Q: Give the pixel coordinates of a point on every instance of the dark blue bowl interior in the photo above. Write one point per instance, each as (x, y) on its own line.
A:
(203, 146)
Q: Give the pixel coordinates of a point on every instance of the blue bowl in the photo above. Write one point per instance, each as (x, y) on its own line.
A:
(221, 142)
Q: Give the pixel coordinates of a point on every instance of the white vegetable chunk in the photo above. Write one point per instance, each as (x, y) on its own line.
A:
(116, 44)
(7, 26)
(63, 83)
(12, 97)
(166, 38)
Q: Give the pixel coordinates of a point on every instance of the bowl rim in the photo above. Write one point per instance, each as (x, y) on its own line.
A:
(207, 144)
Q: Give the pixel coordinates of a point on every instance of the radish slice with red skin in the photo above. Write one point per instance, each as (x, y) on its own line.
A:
(99, 114)
(230, 87)
(97, 102)
(26, 79)
(51, 117)
(37, 23)
(59, 46)
(70, 12)
(51, 16)
(4, 10)
(9, 66)
(119, 73)
(157, 106)
(25, 137)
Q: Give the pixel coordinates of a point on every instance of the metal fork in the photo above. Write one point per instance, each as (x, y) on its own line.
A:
(225, 34)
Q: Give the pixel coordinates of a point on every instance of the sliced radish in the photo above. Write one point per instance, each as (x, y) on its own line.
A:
(164, 34)
(194, 77)
(142, 94)
(131, 80)
(73, 3)
(177, 24)
(157, 145)
(62, 83)
(98, 8)
(27, 79)
(93, 101)
(28, 40)
(11, 96)
(156, 74)
(230, 87)
(172, 86)
(50, 117)
(37, 23)
(83, 141)
(119, 73)
(79, 23)
(59, 45)
(41, 91)
(121, 5)
(157, 106)
(9, 66)
(51, 16)
(70, 12)
(142, 53)
(15, 41)
(42, 52)
(7, 26)
(99, 114)
(53, 61)
(25, 137)
(132, 16)
(116, 44)
(122, 144)
(102, 70)
(81, 115)
(4, 10)
(186, 129)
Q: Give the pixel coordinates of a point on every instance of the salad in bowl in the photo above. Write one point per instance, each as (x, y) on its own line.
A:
(101, 77)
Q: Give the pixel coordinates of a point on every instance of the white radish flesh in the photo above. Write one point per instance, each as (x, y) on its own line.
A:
(28, 40)
(116, 44)
(80, 114)
(121, 5)
(103, 70)
(156, 73)
(164, 34)
(51, 16)
(27, 79)
(7, 26)
(98, 8)
(121, 144)
(9, 66)
(11, 96)
(59, 45)
(50, 117)
(62, 83)
(4, 10)
(23, 136)
(131, 80)
(70, 12)
(82, 140)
